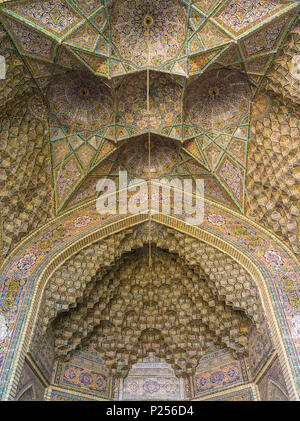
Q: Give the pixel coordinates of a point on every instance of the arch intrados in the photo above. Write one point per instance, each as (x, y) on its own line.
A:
(125, 223)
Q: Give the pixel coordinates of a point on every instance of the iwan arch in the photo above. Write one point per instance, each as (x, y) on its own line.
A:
(82, 314)
(93, 231)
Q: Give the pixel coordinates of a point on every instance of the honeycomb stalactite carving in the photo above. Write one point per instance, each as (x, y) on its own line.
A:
(72, 282)
(26, 192)
(274, 168)
(17, 81)
(283, 78)
(25, 184)
(132, 312)
(106, 295)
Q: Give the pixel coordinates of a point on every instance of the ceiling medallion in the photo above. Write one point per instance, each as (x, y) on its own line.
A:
(214, 91)
(148, 21)
(84, 92)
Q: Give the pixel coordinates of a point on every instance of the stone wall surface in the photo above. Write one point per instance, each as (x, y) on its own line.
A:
(272, 386)
(260, 348)
(42, 350)
(30, 386)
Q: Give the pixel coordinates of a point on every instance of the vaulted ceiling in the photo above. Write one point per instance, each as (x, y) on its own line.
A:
(194, 298)
(207, 59)
(110, 37)
(223, 98)
(84, 56)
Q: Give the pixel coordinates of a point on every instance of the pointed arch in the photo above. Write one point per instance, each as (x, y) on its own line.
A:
(30, 266)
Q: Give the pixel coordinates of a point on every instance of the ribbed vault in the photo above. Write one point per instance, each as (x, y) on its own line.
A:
(90, 94)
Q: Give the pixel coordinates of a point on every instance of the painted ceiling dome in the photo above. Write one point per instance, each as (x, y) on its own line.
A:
(229, 44)
(218, 99)
(165, 96)
(164, 156)
(185, 37)
(164, 21)
(80, 100)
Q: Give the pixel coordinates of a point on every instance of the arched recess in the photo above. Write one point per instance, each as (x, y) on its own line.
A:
(27, 393)
(25, 274)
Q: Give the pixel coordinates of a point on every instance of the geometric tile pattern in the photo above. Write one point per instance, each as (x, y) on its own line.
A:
(85, 129)
(85, 372)
(244, 395)
(64, 396)
(185, 37)
(217, 370)
(235, 33)
(218, 107)
(79, 52)
(138, 329)
(272, 384)
(42, 350)
(151, 379)
(232, 228)
(167, 31)
(260, 347)
(283, 77)
(90, 119)
(169, 159)
(84, 57)
(165, 102)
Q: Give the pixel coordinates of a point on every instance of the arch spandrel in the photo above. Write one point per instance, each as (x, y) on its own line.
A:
(34, 261)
